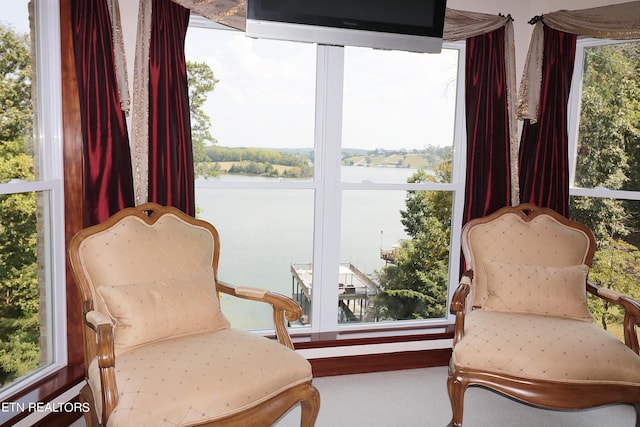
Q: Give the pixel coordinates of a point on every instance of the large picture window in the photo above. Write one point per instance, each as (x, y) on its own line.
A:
(333, 175)
(32, 315)
(605, 134)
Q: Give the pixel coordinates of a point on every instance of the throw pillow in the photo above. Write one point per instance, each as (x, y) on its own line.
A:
(146, 312)
(533, 289)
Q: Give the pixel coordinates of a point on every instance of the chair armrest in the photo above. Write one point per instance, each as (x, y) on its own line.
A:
(283, 306)
(458, 304)
(103, 327)
(631, 312)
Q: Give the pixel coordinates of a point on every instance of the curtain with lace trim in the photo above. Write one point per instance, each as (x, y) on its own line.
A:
(617, 21)
(544, 150)
(490, 96)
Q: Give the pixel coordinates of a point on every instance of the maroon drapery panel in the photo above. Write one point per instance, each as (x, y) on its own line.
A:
(108, 177)
(488, 180)
(544, 157)
(171, 176)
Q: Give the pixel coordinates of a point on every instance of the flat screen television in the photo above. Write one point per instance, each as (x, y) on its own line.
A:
(410, 25)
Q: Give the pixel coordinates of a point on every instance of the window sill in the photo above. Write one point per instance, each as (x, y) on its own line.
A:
(371, 336)
(44, 390)
(361, 351)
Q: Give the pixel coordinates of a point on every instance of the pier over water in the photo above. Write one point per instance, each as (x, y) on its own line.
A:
(355, 289)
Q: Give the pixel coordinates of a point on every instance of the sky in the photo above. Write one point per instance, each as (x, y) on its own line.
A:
(266, 90)
(15, 13)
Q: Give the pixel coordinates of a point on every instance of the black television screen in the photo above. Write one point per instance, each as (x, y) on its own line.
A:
(414, 25)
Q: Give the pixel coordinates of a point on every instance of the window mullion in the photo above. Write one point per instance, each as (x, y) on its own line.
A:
(328, 135)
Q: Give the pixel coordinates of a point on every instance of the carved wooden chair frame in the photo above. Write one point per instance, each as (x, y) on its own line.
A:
(547, 394)
(99, 334)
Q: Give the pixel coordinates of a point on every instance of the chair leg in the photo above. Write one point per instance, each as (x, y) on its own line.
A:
(310, 407)
(637, 405)
(456, 388)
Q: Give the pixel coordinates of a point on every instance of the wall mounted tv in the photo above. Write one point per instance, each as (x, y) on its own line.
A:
(410, 25)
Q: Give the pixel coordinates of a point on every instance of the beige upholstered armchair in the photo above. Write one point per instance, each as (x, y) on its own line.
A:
(158, 350)
(523, 327)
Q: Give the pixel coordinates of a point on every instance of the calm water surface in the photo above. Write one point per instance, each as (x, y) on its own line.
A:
(264, 231)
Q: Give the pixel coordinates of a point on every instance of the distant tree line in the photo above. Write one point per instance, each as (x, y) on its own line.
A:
(425, 158)
(274, 157)
(258, 161)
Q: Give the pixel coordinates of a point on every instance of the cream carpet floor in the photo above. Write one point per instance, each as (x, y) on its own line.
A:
(418, 397)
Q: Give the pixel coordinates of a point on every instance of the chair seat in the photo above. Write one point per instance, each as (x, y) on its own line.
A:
(541, 347)
(192, 379)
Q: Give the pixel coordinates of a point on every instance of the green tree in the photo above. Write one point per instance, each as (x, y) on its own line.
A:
(609, 156)
(616, 266)
(15, 87)
(19, 296)
(201, 83)
(414, 285)
(609, 137)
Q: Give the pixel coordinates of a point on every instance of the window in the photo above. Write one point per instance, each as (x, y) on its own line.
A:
(313, 155)
(32, 316)
(604, 169)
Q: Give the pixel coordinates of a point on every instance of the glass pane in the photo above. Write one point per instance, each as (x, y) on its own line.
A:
(395, 255)
(256, 117)
(616, 265)
(23, 285)
(16, 119)
(607, 152)
(263, 233)
(25, 312)
(399, 111)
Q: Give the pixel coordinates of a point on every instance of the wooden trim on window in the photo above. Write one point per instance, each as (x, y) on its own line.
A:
(44, 390)
(73, 188)
(370, 336)
(367, 363)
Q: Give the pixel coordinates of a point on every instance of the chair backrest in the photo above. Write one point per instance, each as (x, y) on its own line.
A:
(145, 247)
(146, 243)
(523, 234)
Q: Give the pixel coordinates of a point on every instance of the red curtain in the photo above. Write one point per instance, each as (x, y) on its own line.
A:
(488, 182)
(108, 178)
(544, 157)
(171, 175)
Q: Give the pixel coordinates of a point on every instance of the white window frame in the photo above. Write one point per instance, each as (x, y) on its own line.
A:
(48, 136)
(328, 190)
(575, 97)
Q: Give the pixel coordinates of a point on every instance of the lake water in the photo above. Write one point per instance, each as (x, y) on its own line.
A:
(264, 231)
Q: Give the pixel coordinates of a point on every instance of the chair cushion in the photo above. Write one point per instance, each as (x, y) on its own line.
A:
(522, 288)
(147, 312)
(197, 378)
(544, 348)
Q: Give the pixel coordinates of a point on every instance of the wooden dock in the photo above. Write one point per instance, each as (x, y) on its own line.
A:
(355, 289)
